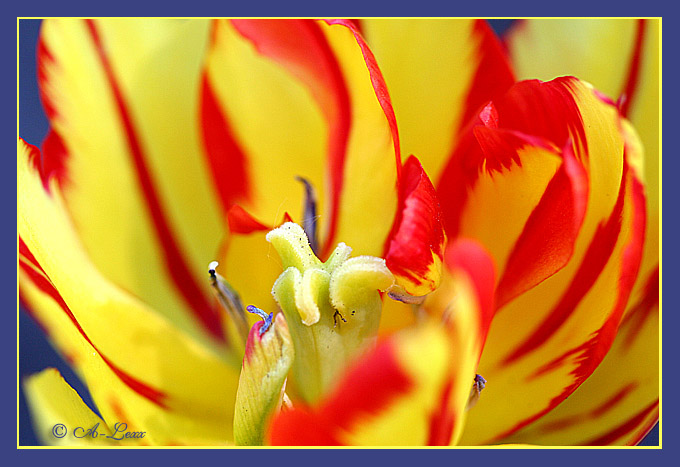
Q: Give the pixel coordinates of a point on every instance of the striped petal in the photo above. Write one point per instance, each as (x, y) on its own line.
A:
(416, 246)
(420, 378)
(122, 101)
(620, 57)
(547, 341)
(59, 415)
(439, 72)
(518, 170)
(298, 98)
(147, 373)
(619, 403)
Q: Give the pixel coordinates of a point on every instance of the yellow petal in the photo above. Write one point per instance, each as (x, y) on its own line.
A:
(593, 49)
(368, 201)
(300, 100)
(274, 120)
(147, 373)
(438, 72)
(122, 99)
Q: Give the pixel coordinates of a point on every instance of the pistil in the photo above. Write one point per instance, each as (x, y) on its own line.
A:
(333, 308)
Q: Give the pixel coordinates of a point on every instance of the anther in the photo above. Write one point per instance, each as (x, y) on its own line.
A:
(403, 297)
(478, 383)
(335, 318)
(309, 216)
(266, 317)
(211, 269)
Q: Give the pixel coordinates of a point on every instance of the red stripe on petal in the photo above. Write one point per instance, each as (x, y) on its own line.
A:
(634, 69)
(602, 409)
(613, 401)
(301, 47)
(599, 251)
(418, 231)
(54, 155)
(543, 114)
(638, 314)
(455, 180)
(35, 160)
(45, 285)
(26, 253)
(45, 60)
(186, 284)
(241, 222)
(471, 257)
(500, 148)
(493, 76)
(225, 157)
(300, 427)
(254, 338)
(589, 354)
(646, 428)
(626, 428)
(383, 96)
(592, 352)
(50, 162)
(378, 83)
(547, 240)
(443, 420)
(544, 109)
(366, 389)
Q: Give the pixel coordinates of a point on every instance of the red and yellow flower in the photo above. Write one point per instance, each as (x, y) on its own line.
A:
(452, 222)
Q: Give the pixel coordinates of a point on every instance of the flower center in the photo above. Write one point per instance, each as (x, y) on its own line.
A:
(332, 308)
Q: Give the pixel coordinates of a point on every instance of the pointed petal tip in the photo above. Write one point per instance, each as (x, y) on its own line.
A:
(417, 241)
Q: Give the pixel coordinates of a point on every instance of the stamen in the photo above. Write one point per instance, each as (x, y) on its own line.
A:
(400, 295)
(229, 299)
(309, 216)
(477, 385)
(266, 317)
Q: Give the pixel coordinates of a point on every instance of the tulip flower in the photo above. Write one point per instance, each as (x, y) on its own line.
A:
(372, 232)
